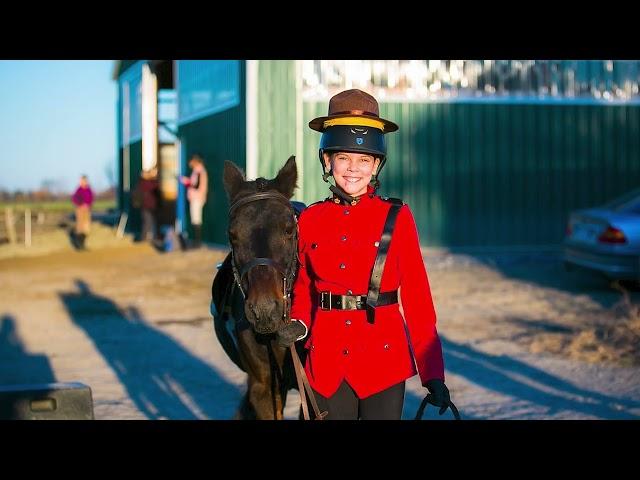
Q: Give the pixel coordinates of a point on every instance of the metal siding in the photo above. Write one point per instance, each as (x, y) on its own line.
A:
(633, 151)
(517, 177)
(505, 210)
(276, 116)
(476, 181)
(134, 221)
(571, 161)
(494, 174)
(206, 88)
(488, 235)
(314, 188)
(217, 137)
(582, 135)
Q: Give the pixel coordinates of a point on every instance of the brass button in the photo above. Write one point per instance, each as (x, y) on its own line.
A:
(345, 352)
(342, 266)
(386, 346)
(376, 244)
(348, 322)
(343, 238)
(349, 292)
(314, 245)
(346, 212)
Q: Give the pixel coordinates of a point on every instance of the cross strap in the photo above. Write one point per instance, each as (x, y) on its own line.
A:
(378, 267)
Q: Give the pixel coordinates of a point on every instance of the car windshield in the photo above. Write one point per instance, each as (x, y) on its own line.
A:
(629, 202)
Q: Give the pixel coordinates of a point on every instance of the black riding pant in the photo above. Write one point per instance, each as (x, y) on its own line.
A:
(345, 404)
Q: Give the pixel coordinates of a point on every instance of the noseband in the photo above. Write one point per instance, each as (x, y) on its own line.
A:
(288, 272)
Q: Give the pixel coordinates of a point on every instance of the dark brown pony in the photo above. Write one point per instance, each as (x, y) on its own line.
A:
(251, 291)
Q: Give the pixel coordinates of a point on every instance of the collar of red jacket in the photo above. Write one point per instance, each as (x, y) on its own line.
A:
(362, 198)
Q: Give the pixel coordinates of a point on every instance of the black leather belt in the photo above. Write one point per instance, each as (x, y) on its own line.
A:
(330, 301)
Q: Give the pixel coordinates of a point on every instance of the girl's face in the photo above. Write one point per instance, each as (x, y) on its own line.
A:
(352, 171)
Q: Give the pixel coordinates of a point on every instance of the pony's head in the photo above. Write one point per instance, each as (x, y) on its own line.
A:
(263, 238)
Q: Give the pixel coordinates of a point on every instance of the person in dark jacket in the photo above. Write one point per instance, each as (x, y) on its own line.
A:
(146, 197)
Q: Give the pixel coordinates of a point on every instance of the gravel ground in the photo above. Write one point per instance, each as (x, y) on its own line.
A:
(523, 339)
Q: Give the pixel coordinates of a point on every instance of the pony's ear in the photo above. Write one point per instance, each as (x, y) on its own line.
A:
(232, 178)
(285, 181)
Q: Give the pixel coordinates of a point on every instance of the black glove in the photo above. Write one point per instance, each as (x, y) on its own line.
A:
(439, 393)
(291, 332)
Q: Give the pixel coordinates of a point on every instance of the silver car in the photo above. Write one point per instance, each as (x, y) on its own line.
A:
(606, 239)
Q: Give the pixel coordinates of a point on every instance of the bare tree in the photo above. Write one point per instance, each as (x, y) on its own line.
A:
(110, 172)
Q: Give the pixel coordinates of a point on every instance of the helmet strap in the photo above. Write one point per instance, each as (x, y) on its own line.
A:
(343, 195)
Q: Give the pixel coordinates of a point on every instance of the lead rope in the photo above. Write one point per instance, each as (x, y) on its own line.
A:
(303, 383)
(301, 375)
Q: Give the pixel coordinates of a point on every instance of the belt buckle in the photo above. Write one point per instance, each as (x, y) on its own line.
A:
(349, 302)
(322, 297)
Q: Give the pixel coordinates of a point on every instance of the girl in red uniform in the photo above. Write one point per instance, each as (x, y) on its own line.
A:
(359, 351)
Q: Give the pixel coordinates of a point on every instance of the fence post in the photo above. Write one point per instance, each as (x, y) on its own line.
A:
(27, 227)
(11, 228)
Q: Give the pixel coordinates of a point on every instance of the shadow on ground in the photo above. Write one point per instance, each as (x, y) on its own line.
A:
(525, 383)
(163, 379)
(17, 366)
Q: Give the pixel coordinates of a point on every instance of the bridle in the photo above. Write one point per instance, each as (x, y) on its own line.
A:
(288, 271)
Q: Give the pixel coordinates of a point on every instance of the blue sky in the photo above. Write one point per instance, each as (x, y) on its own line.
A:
(57, 121)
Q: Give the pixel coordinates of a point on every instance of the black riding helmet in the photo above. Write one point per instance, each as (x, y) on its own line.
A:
(352, 138)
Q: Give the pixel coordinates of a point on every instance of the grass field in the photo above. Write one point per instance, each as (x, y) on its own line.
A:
(56, 205)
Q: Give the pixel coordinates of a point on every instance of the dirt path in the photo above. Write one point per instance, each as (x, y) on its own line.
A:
(134, 325)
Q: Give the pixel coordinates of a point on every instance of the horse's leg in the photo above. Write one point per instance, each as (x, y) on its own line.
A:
(246, 410)
(260, 397)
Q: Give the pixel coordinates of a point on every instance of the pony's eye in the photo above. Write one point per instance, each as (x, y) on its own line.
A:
(288, 231)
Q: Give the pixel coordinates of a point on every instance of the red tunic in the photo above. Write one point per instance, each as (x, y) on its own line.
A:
(337, 251)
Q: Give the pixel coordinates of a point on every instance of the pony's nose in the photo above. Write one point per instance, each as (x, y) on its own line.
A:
(264, 311)
(267, 309)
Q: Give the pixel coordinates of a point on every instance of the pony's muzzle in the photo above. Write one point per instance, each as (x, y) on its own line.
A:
(265, 316)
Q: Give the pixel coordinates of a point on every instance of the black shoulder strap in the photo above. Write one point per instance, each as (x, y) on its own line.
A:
(392, 200)
(381, 258)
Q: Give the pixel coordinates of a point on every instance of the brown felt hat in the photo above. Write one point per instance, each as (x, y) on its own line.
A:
(352, 103)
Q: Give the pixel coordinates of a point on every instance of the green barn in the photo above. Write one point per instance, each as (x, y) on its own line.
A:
(489, 153)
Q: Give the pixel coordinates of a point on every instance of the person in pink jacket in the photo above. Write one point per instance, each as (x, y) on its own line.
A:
(82, 199)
